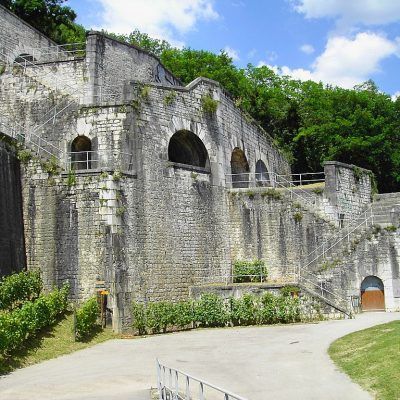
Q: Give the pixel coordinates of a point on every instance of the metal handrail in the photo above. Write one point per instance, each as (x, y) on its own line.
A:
(98, 159)
(168, 385)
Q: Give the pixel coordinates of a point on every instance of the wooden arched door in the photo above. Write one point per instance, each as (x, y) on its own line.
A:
(372, 294)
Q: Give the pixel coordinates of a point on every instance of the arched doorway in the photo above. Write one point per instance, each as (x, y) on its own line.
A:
(372, 294)
(186, 148)
(262, 175)
(81, 153)
(239, 169)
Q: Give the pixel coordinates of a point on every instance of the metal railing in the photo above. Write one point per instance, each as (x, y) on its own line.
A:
(99, 159)
(174, 384)
(271, 179)
(53, 53)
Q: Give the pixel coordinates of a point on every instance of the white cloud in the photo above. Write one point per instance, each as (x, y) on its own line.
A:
(351, 13)
(347, 62)
(395, 95)
(307, 49)
(159, 18)
(232, 53)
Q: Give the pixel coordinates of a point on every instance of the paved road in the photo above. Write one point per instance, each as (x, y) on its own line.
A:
(276, 362)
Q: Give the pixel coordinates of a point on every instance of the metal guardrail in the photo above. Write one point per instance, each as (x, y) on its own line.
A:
(174, 384)
(100, 159)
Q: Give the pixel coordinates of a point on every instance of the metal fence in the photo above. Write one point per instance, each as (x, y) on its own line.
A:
(173, 384)
(100, 159)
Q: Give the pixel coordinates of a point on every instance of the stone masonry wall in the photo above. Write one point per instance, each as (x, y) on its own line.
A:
(347, 188)
(17, 37)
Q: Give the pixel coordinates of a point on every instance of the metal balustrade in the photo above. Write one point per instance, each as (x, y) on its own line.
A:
(174, 384)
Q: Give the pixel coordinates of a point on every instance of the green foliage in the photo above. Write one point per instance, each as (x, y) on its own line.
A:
(24, 156)
(391, 228)
(208, 104)
(50, 17)
(18, 325)
(318, 190)
(169, 98)
(272, 194)
(86, 318)
(251, 194)
(71, 179)
(298, 216)
(249, 271)
(245, 310)
(16, 289)
(51, 166)
(289, 290)
(210, 310)
(2, 68)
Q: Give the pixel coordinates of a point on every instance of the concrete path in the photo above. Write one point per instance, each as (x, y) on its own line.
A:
(259, 363)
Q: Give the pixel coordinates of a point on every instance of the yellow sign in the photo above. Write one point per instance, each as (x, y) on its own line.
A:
(104, 292)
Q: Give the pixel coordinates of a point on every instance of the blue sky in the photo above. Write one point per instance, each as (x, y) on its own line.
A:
(339, 42)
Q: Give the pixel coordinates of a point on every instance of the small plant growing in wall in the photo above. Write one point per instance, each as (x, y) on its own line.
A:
(298, 216)
(24, 156)
(117, 176)
(145, 92)
(169, 98)
(71, 179)
(120, 211)
(318, 190)
(194, 175)
(251, 194)
(2, 69)
(208, 104)
(272, 194)
(51, 166)
(390, 228)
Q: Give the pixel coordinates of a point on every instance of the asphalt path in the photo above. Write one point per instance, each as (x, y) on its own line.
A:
(258, 363)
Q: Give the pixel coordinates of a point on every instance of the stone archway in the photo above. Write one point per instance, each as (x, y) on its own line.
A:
(239, 169)
(372, 294)
(81, 153)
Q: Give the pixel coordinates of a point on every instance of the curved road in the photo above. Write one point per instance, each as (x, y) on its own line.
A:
(259, 363)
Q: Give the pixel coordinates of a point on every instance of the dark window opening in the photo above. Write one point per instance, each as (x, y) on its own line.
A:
(239, 169)
(262, 175)
(24, 59)
(186, 148)
(81, 153)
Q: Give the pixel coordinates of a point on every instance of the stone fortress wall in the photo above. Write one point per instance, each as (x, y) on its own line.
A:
(152, 209)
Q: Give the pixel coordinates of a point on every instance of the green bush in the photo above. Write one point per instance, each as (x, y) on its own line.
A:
(18, 325)
(19, 288)
(244, 311)
(159, 316)
(210, 310)
(249, 271)
(86, 318)
(184, 313)
(139, 318)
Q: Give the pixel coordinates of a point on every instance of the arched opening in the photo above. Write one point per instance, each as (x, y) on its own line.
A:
(239, 169)
(81, 153)
(262, 175)
(24, 59)
(186, 148)
(372, 294)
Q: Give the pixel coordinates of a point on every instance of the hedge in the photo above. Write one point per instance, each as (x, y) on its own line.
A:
(86, 318)
(210, 310)
(18, 325)
(18, 288)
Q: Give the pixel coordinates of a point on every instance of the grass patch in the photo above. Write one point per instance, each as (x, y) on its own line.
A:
(372, 359)
(51, 343)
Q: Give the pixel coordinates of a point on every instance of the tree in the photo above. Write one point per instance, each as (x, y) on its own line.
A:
(50, 17)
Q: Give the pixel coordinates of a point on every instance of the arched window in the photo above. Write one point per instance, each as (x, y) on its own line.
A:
(186, 148)
(24, 59)
(81, 153)
(239, 169)
(372, 294)
(262, 175)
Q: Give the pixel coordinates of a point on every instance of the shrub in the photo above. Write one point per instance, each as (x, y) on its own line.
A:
(184, 313)
(210, 310)
(272, 194)
(24, 156)
(268, 310)
(139, 318)
(208, 104)
(244, 311)
(18, 325)
(18, 288)
(86, 318)
(159, 315)
(249, 271)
